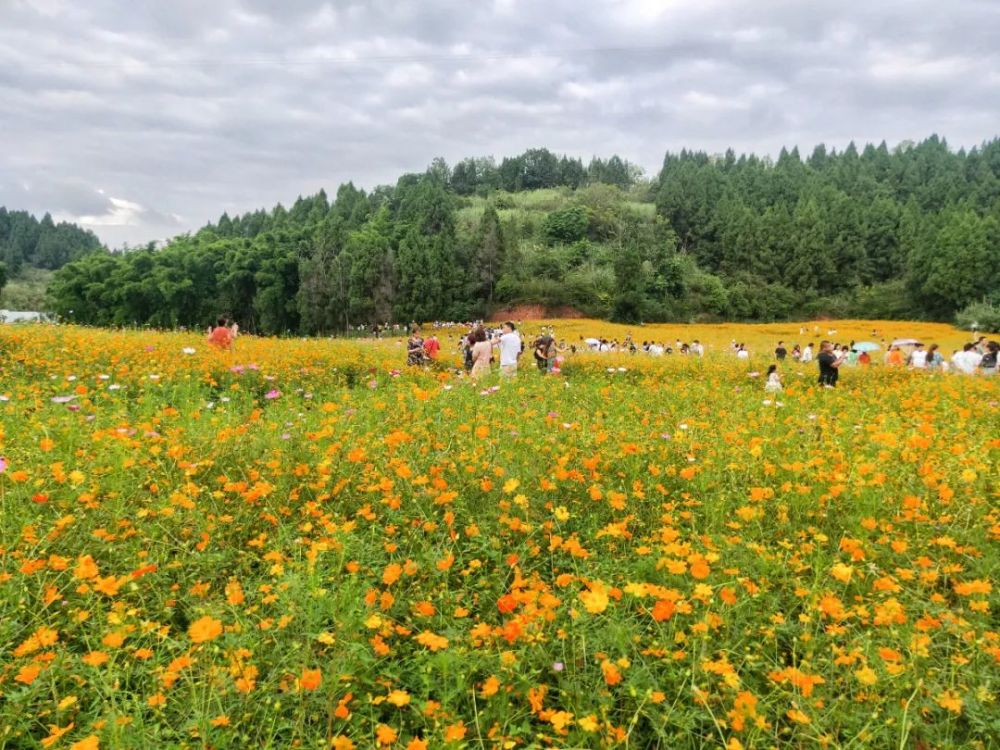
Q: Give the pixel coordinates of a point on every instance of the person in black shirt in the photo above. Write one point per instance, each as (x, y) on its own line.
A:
(829, 365)
(781, 352)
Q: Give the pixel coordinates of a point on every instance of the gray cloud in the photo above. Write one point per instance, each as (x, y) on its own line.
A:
(145, 119)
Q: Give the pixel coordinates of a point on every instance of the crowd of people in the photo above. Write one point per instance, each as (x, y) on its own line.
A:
(976, 357)
(480, 345)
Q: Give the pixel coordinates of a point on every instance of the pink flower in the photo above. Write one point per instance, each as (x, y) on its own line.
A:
(273, 393)
(3, 464)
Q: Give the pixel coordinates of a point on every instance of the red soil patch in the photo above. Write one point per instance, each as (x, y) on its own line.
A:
(535, 312)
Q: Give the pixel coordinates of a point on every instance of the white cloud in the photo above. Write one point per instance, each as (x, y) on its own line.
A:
(191, 108)
(122, 213)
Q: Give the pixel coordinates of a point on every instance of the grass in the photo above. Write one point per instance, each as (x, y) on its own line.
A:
(302, 544)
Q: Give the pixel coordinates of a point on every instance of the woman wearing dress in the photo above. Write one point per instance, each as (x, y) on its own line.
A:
(481, 352)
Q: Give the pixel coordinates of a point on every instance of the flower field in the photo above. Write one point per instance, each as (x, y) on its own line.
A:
(304, 544)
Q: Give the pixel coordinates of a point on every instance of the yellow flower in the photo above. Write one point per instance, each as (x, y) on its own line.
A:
(866, 676)
(398, 698)
(595, 599)
(951, 701)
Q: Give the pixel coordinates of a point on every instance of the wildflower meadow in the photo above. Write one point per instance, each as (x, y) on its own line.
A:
(303, 543)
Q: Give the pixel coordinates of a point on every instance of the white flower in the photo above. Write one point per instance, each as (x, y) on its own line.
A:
(188, 350)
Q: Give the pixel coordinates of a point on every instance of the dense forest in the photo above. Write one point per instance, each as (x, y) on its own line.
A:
(28, 244)
(912, 231)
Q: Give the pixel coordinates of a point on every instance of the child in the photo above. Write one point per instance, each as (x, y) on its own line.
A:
(773, 384)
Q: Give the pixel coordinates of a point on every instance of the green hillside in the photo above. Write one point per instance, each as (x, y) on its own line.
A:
(908, 232)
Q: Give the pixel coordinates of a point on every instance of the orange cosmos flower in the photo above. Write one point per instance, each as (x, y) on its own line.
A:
(386, 735)
(311, 679)
(205, 629)
(432, 641)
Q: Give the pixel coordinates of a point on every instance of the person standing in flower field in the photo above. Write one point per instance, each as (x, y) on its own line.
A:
(988, 363)
(509, 344)
(773, 384)
(479, 352)
(415, 348)
(829, 365)
(918, 358)
(432, 346)
(934, 359)
(780, 352)
(221, 337)
(967, 360)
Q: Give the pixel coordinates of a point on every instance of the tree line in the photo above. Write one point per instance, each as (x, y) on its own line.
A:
(912, 231)
(29, 242)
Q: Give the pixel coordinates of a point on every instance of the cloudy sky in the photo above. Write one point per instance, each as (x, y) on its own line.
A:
(146, 118)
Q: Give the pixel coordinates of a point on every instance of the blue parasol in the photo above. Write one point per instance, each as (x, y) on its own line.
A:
(866, 346)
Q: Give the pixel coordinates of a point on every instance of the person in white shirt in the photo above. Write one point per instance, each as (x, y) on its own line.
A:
(656, 350)
(967, 360)
(773, 384)
(742, 353)
(697, 348)
(807, 354)
(509, 345)
(918, 358)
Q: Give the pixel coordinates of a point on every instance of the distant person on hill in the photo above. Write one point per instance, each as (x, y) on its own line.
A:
(221, 337)
(415, 348)
(829, 365)
(480, 353)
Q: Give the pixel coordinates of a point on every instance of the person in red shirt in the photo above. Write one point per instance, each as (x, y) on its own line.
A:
(221, 336)
(432, 346)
